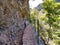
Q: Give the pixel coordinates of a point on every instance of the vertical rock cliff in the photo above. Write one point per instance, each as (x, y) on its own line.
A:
(13, 14)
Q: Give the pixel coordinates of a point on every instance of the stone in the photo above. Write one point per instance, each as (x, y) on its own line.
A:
(29, 36)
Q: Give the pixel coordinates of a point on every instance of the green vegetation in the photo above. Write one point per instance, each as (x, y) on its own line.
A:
(48, 23)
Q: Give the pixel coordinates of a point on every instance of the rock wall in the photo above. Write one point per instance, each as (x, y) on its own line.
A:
(13, 14)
